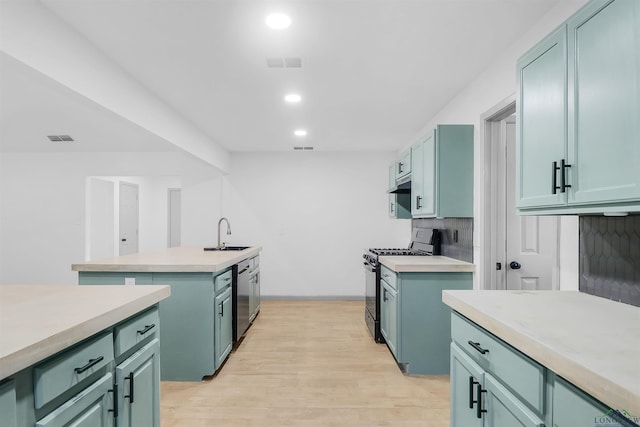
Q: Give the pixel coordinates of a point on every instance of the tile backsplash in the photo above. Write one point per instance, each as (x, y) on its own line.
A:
(610, 257)
(461, 249)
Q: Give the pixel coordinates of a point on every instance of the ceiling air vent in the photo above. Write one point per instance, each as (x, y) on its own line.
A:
(300, 148)
(59, 138)
(284, 62)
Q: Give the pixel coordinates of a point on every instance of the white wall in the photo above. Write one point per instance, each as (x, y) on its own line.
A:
(495, 84)
(314, 213)
(43, 206)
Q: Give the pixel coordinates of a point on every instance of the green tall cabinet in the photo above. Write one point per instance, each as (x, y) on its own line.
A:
(578, 148)
(442, 173)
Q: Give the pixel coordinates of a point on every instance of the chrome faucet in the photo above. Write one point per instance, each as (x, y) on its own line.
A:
(228, 229)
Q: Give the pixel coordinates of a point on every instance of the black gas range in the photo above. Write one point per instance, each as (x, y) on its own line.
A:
(424, 242)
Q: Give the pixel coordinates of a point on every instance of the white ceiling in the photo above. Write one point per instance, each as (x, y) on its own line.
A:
(374, 71)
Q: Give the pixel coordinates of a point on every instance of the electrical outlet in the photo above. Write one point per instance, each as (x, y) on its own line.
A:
(129, 280)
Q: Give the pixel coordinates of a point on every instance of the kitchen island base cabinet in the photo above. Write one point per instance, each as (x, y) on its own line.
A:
(573, 407)
(188, 319)
(224, 325)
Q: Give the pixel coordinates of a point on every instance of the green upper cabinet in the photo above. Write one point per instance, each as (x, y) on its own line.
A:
(442, 173)
(542, 114)
(604, 108)
(403, 166)
(578, 147)
(399, 204)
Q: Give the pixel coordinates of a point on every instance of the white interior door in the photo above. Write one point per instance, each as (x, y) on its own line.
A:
(531, 260)
(128, 227)
(175, 219)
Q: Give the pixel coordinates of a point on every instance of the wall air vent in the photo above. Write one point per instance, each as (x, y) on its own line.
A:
(300, 148)
(60, 138)
(284, 62)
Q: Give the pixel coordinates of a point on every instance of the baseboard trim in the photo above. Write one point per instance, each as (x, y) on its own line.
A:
(313, 297)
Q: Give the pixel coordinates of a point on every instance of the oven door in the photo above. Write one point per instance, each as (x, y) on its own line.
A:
(371, 289)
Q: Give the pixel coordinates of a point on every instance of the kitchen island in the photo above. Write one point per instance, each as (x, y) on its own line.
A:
(47, 334)
(197, 332)
(582, 351)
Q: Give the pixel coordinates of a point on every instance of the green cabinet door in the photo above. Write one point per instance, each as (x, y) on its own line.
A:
(542, 117)
(403, 166)
(604, 94)
(417, 178)
(572, 407)
(90, 408)
(389, 316)
(426, 205)
(138, 380)
(503, 409)
(8, 404)
(224, 326)
(466, 375)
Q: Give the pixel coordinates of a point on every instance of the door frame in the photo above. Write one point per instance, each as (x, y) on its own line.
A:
(490, 201)
(170, 218)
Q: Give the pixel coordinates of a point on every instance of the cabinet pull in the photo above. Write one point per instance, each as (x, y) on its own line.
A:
(400, 164)
(91, 363)
(554, 178)
(472, 382)
(222, 309)
(130, 395)
(114, 390)
(479, 410)
(476, 345)
(384, 295)
(391, 204)
(418, 205)
(563, 176)
(147, 328)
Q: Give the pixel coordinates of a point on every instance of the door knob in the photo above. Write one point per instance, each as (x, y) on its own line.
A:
(515, 265)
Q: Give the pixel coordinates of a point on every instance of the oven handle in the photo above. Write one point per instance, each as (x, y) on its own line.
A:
(369, 267)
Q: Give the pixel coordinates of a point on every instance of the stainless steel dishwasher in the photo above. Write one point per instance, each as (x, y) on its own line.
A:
(241, 295)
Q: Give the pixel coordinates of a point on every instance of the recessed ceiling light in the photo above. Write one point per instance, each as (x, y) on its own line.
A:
(293, 98)
(300, 132)
(278, 21)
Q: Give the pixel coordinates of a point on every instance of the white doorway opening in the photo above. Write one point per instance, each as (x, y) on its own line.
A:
(516, 252)
(129, 218)
(174, 217)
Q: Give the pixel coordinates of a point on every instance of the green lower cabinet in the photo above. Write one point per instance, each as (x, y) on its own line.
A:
(465, 376)
(573, 407)
(224, 326)
(479, 399)
(188, 319)
(416, 320)
(8, 404)
(138, 379)
(389, 316)
(503, 409)
(89, 408)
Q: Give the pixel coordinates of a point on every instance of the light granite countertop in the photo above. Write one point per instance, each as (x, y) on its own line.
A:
(425, 264)
(590, 341)
(174, 260)
(37, 321)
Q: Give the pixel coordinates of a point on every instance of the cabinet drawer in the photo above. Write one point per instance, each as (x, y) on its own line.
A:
(389, 276)
(136, 330)
(515, 370)
(255, 262)
(60, 373)
(222, 280)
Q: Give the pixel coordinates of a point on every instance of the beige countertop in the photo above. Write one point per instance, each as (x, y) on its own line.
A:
(175, 260)
(37, 321)
(427, 264)
(590, 341)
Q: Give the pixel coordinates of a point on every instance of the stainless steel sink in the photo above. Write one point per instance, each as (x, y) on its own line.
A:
(228, 248)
